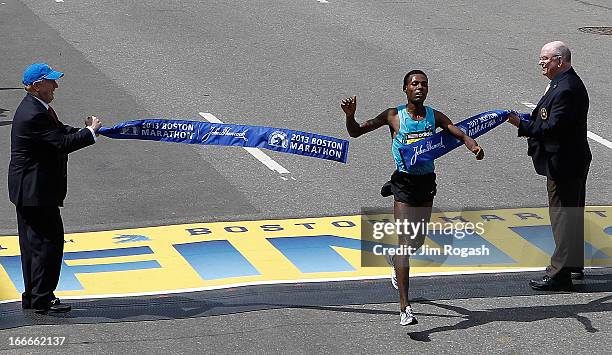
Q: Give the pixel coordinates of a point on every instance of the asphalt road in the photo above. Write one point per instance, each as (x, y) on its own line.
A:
(288, 64)
(550, 324)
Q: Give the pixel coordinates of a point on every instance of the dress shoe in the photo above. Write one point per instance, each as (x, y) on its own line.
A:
(54, 306)
(578, 275)
(26, 301)
(551, 284)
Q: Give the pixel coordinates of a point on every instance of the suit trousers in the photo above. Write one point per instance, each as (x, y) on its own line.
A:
(41, 240)
(566, 200)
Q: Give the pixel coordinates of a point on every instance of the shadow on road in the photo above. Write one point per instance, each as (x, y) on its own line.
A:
(350, 297)
(3, 112)
(517, 314)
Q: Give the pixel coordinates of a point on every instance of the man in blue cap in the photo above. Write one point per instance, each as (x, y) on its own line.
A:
(37, 181)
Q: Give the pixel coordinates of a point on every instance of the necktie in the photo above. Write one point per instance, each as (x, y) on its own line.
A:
(53, 115)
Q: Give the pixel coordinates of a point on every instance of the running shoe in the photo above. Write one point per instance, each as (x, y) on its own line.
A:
(394, 278)
(393, 275)
(407, 318)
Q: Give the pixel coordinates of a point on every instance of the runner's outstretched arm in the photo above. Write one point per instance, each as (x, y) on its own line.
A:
(445, 123)
(349, 106)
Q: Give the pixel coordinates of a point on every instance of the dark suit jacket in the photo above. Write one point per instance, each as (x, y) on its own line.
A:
(39, 155)
(557, 130)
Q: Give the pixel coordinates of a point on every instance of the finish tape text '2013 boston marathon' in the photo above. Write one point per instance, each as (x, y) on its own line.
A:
(205, 133)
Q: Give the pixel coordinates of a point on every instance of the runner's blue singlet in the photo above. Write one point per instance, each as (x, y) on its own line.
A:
(411, 131)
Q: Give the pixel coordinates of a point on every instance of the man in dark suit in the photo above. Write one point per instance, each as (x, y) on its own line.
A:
(37, 183)
(557, 143)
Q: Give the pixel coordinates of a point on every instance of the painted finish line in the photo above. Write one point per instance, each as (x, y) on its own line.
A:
(190, 257)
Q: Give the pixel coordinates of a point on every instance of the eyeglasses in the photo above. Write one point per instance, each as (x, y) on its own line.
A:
(546, 59)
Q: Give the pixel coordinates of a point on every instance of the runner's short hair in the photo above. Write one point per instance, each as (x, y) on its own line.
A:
(411, 73)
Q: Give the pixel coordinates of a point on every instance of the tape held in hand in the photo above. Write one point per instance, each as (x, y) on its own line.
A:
(443, 142)
(205, 133)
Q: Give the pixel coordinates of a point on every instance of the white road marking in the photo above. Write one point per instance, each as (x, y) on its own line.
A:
(256, 152)
(59, 0)
(323, 1)
(599, 139)
(529, 104)
(280, 282)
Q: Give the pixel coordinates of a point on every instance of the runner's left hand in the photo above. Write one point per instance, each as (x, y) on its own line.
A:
(479, 152)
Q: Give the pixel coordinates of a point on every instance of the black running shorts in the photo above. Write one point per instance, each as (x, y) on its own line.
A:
(409, 188)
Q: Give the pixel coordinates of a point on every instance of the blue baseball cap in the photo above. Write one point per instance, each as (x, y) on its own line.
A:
(39, 71)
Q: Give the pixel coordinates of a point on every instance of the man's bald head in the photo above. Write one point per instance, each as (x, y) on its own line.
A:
(555, 58)
(560, 48)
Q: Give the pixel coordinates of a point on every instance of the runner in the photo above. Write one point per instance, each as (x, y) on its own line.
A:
(414, 187)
